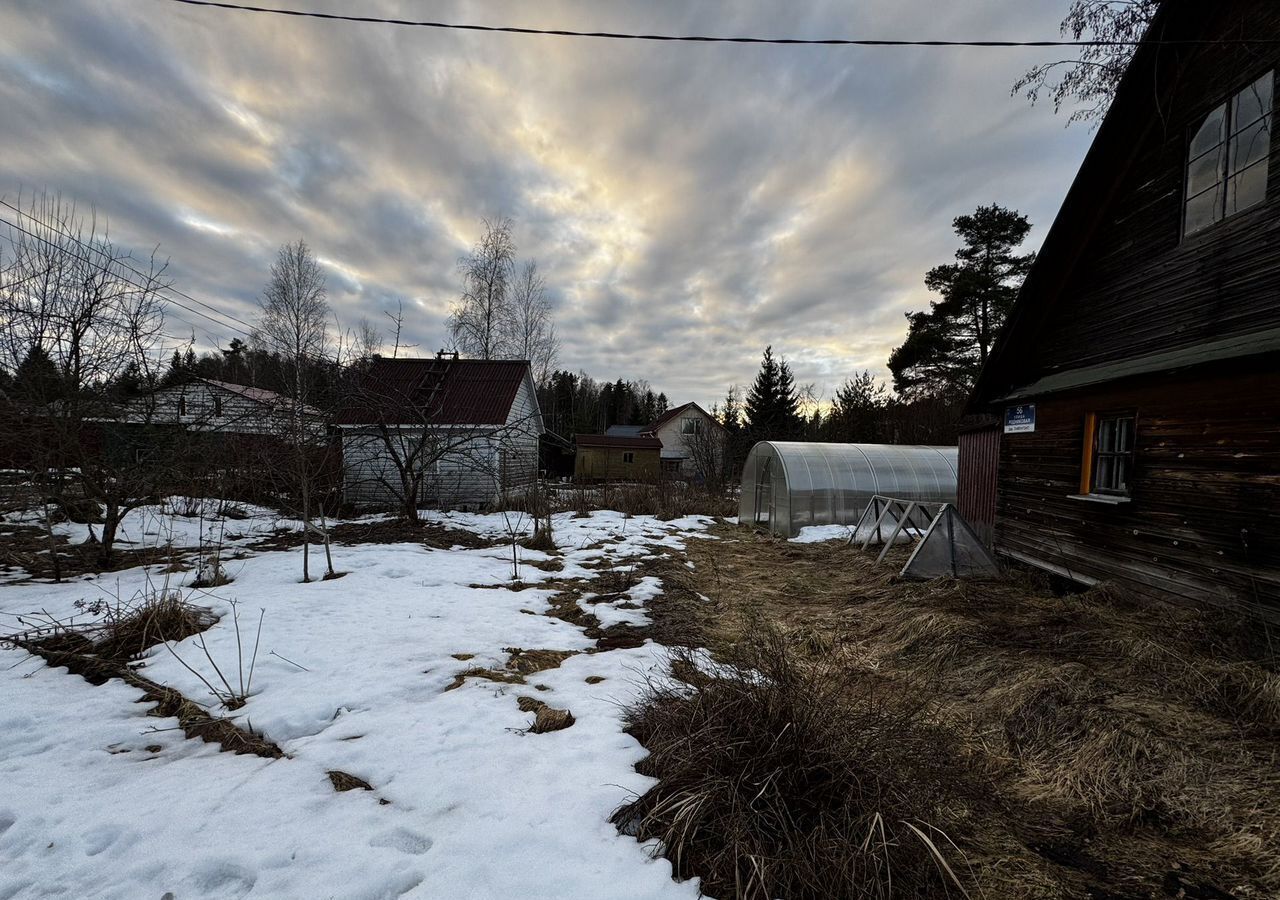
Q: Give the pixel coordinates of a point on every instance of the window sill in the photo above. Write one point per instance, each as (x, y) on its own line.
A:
(1108, 499)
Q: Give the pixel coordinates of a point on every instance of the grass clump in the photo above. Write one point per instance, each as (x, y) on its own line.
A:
(779, 777)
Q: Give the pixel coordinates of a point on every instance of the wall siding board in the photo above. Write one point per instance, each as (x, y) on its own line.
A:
(1204, 520)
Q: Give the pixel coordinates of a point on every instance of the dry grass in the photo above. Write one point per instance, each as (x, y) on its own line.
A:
(548, 719)
(780, 778)
(520, 663)
(101, 650)
(1129, 746)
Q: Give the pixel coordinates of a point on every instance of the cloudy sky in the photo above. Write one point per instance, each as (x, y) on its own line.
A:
(688, 204)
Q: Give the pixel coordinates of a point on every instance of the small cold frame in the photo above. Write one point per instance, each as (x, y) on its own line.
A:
(1113, 454)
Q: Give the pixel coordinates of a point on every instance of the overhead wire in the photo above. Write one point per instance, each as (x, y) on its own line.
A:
(691, 38)
(162, 289)
(52, 227)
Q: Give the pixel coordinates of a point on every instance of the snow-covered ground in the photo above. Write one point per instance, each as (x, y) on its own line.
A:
(101, 800)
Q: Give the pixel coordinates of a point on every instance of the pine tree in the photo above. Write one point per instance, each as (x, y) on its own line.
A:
(947, 345)
(663, 404)
(857, 411)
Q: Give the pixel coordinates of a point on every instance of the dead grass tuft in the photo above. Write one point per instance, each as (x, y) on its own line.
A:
(550, 719)
(783, 778)
(542, 541)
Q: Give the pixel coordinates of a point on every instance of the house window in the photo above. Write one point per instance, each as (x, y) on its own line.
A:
(1228, 159)
(691, 426)
(628, 457)
(217, 406)
(1108, 462)
(182, 406)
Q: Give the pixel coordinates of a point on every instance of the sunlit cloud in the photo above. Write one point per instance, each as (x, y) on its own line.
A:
(687, 205)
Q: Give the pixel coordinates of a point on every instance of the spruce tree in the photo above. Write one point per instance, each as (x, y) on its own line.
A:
(761, 407)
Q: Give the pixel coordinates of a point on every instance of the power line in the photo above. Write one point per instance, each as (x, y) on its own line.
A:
(691, 38)
(157, 288)
(122, 263)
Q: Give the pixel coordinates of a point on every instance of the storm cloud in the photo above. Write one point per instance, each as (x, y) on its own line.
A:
(688, 204)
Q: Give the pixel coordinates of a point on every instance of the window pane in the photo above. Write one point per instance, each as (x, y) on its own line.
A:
(1104, 472)
(1204, 210)
(1204, 172)
(1250, 145)
(1253, 102)
(1122, 474)
(1247, 188)
(1211, 133)
(1107, 436)
(1124, 442)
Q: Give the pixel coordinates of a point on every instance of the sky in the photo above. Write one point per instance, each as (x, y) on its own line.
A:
(687, 204)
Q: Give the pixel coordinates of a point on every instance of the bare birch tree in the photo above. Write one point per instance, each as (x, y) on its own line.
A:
(530, 330)
(294, 323)
(478, 320)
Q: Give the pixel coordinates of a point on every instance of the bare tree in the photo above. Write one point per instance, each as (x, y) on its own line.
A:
(294, 324)
(1091, 79)
(80, 321)
(478, 320)
(531, 333)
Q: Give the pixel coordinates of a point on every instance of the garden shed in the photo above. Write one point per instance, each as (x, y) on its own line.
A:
(789, 485)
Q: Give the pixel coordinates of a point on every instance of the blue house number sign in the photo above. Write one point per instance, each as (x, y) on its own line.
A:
(1020, 419)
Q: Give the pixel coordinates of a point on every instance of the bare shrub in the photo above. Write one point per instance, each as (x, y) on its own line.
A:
(783, 778)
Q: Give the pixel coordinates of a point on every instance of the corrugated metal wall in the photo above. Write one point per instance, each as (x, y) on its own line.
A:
(976, 487)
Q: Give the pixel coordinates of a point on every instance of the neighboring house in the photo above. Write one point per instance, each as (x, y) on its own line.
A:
(458, 432)
(693, 442)
(202, 404)
(1137, 384)
(244, 437)
(604, 457)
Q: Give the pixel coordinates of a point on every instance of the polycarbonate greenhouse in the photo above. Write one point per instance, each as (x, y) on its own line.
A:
(789, 485)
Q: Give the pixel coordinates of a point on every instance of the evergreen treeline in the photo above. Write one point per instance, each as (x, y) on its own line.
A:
(578, 404)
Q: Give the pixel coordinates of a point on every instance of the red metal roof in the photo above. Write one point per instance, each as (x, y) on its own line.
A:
(436, 391)
(617, 442)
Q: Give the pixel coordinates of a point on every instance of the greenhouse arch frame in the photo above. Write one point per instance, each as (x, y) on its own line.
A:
(788, 485)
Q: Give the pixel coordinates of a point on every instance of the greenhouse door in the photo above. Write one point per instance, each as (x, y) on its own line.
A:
(764, 493)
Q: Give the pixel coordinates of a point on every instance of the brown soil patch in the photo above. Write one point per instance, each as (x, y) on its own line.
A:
(345, 781)
(594, 679)
(26, 548)
(1128, 747)
(391, 531)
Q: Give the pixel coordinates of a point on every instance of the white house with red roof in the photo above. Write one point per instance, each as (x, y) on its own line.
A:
(440, 432)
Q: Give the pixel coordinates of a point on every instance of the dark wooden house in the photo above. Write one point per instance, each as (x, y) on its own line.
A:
(1138, 379)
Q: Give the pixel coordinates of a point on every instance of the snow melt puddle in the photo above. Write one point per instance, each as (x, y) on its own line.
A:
(102, 800)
